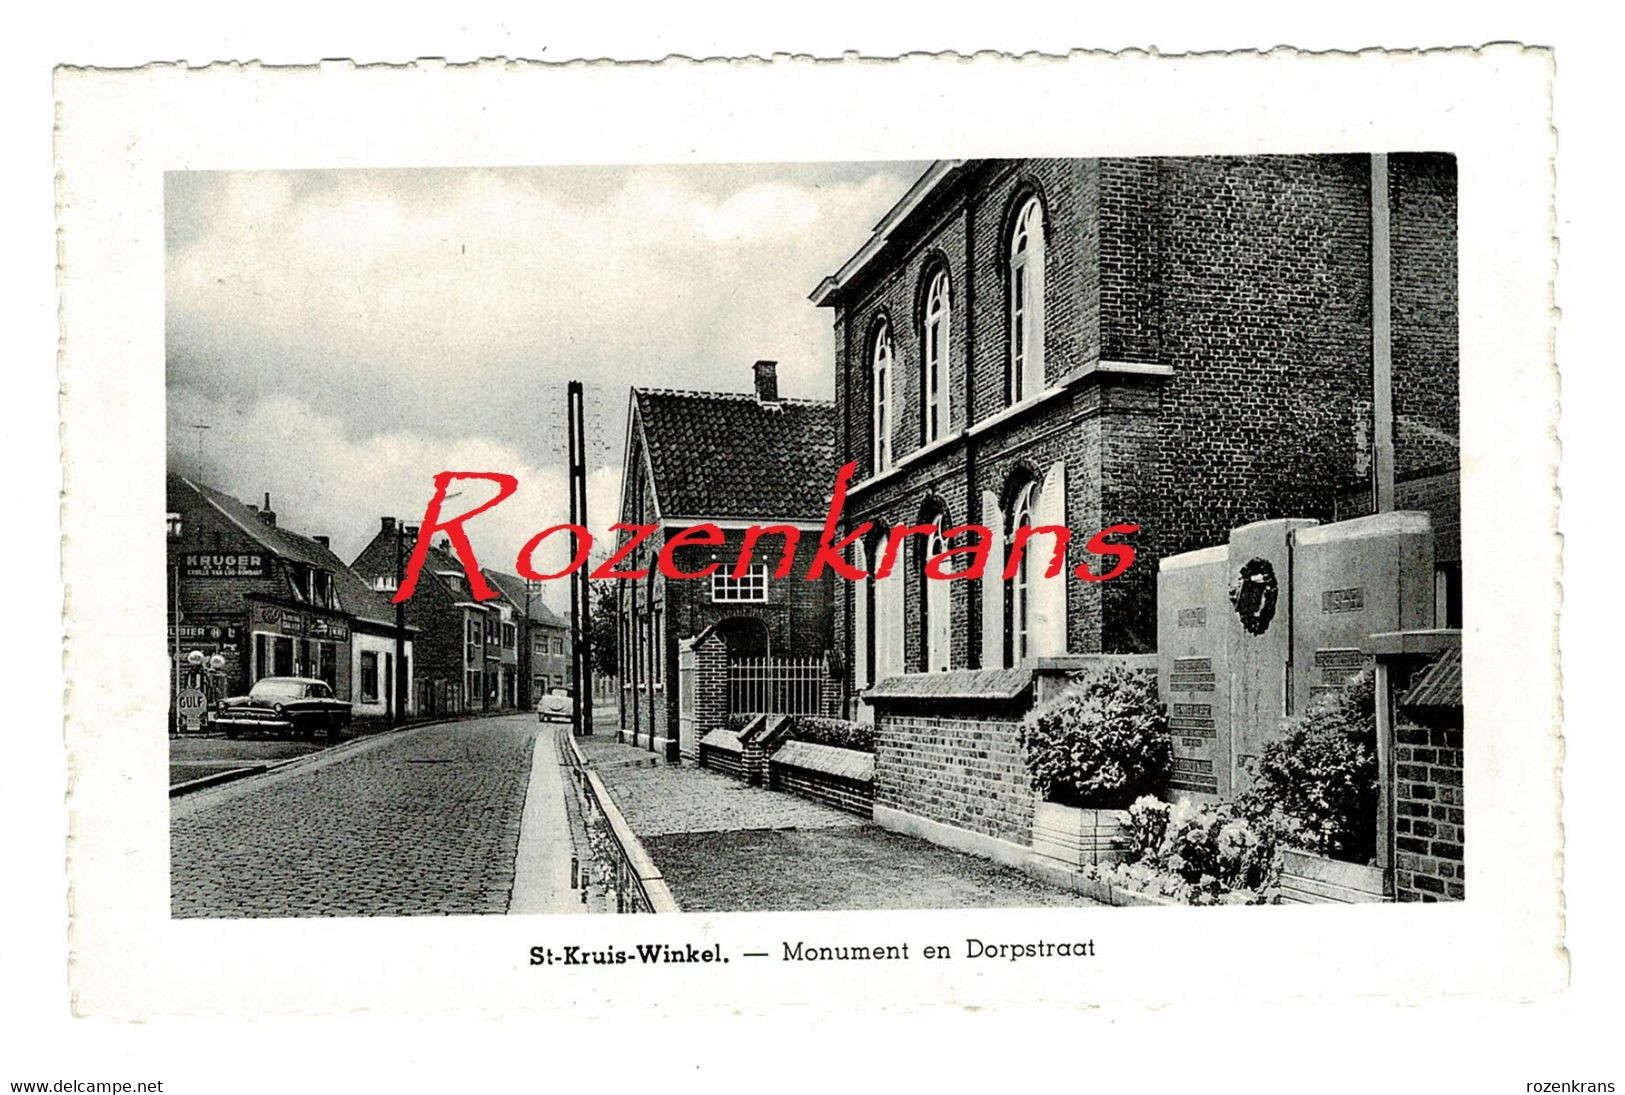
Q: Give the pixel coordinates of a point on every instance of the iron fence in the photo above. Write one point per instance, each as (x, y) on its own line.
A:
(776, 686)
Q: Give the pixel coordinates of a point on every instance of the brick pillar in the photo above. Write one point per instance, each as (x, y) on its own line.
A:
(710, 684)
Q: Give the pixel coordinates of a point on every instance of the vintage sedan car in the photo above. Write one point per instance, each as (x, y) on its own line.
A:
(300, 707)
(558, 704)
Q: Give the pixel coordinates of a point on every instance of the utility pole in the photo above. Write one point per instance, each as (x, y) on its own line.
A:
(398, 685)
(200, 427)
(580, 600)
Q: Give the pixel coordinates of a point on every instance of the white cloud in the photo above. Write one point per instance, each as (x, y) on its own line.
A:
(350, 334)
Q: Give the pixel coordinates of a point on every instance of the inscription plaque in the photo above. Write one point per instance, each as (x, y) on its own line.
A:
(1193, 618)
(1343, 600)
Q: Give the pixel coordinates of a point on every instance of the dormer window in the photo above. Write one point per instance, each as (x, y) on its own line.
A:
(881, 370)
(1027, 303)
(934, 346)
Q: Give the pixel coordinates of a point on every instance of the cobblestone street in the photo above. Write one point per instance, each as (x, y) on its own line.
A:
(422, 822)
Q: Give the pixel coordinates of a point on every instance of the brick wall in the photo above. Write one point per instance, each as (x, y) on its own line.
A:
(1429, 814)
(1427, 353)
(1249, 276)
(960, 768)
(850, 795)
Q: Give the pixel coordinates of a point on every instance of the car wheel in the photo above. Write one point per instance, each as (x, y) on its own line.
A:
(232, 732)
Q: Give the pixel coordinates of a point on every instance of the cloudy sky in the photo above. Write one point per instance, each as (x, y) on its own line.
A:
(347, 334)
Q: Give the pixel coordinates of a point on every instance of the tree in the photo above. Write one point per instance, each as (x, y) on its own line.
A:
(603, 626)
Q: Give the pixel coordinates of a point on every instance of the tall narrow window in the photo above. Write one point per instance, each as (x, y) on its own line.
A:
(1018, 597)
(1027, 303)
(882, 368)
(934, 384)
(935, 633)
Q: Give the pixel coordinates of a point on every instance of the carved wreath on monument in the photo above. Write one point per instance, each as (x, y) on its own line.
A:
(1254, 595)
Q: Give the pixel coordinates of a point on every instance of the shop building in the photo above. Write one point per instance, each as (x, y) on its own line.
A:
(270, 602)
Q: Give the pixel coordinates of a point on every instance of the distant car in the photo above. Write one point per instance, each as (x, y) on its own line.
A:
(557, 704)
(300, 707)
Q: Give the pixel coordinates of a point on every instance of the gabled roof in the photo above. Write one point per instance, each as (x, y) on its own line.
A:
(355, 596)
(927, 184)
(278, 541)
(728, 455)
(512, 587)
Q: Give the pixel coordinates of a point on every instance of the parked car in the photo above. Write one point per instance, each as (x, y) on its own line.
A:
(557, 704)
(301, 707)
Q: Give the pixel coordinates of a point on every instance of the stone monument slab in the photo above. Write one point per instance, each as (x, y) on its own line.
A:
(1193, 674)
(1351, 580)
(1262, 587)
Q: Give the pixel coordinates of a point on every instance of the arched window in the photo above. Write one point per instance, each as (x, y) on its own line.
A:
(1027, 303)
(882, 375)
(934, 354)
(934, 634)
(1018, 588)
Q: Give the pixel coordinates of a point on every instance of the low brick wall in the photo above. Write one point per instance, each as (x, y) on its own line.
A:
(1429, 814)
(842, 778)
(721, 750)
(957, 768)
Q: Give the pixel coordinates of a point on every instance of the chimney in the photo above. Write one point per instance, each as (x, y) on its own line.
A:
(767, 381)
(267, 514)
(325, 541)
(386, 524)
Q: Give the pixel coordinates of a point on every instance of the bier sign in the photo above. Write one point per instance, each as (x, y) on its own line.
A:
(223, 564)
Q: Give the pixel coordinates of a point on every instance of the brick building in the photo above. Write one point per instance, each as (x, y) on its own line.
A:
(270, 601)
(543, 654)
(1185, 344)
(459, 639)
(731, 460)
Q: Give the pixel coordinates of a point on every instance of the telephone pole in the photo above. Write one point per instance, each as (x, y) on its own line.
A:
(200, 427)
(580, 600)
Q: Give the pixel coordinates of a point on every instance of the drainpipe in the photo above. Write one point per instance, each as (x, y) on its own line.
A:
(1382, 338)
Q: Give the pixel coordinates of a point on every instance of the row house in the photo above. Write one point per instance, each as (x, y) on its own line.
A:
(474, 656)
(272, 603)
(543, 656)
(732, 460)
(1184, 344)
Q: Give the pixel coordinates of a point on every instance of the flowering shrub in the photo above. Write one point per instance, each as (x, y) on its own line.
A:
(1144, 879)
(1101, 743)
(1315, 786)
(1147, 825)
(1212, 846)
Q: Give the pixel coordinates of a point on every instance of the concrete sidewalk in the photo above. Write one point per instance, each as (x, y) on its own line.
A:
(542, 876)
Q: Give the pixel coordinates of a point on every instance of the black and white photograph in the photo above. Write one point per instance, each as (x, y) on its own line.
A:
(1145, 473)
(963, 565)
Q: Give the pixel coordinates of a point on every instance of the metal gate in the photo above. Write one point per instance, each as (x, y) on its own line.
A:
(686, 744)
